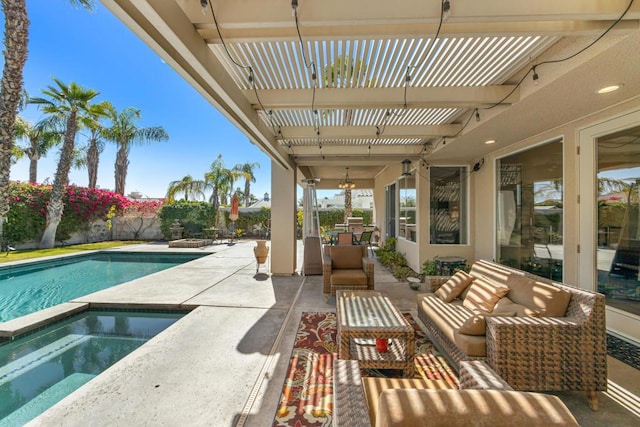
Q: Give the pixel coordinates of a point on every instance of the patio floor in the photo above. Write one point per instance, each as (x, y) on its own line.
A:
(224, 363)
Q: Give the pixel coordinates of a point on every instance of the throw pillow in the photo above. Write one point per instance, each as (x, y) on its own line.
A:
(483, 295)
(506, 305)
(454, 286)
(477, 324)
(547, 299)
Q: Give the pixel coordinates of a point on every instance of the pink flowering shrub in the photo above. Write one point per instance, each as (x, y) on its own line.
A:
(140, 215)
(82, 206)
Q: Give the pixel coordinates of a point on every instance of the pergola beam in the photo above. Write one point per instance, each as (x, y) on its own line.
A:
(252, 20)
(417, 97)
(376, 154)
(556, 28)
(367, 132)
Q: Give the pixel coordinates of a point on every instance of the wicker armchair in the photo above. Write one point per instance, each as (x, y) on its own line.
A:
(346, 268)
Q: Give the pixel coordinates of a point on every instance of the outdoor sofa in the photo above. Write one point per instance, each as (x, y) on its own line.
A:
(535, 334)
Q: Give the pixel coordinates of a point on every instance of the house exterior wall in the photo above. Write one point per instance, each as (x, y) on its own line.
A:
(482, 207)
(483, 239)
(621, 322)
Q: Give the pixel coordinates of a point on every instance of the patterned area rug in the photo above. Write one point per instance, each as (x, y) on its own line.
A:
(307, 394)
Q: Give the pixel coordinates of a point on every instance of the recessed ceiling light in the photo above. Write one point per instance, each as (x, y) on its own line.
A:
(611, 88)
(490, 141)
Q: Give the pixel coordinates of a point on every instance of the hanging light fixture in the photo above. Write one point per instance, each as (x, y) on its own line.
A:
(406, 165)
(347, 183)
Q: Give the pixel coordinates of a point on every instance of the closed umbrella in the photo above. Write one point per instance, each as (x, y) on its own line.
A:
(233, 215)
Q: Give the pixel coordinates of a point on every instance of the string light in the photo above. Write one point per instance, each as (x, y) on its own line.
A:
(446, 10)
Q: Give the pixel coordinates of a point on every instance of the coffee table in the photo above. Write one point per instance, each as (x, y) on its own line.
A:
(367, 315)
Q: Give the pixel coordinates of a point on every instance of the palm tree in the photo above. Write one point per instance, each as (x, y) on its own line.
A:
(66, 103)
(42, 137)
(16, 36)
(95, 147)
(220, 180)
(187, 186)
(245, 170)
(125, 133)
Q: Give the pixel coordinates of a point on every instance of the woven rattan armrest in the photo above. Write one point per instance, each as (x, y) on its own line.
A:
(546, 353)
(350, 404)
(477, 375)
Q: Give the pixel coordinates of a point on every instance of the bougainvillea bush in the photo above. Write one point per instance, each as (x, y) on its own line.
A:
(139, 216)
(82, 206)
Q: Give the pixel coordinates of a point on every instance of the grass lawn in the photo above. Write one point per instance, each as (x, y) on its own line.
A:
(38, 253)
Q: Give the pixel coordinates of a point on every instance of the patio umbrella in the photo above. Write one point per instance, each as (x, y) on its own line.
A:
(233, 215)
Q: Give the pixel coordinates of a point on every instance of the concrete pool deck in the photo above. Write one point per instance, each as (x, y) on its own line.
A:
(224, 363)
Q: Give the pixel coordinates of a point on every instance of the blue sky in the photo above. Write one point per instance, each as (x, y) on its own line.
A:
(97, 51)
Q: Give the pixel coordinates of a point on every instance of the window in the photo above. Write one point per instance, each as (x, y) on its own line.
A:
(407, 219)
(390, 202)
(448, 210)
(530, 210)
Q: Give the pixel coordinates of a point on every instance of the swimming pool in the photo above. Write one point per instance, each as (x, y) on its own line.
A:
(31, 287)
(40, 369)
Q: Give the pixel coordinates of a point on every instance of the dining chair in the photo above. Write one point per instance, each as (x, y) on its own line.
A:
(365, 239)
(345, 238)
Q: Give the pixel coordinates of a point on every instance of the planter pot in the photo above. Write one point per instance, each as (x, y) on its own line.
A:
(261, 251)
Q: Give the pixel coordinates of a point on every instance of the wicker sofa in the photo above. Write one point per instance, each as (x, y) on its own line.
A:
(529, 353)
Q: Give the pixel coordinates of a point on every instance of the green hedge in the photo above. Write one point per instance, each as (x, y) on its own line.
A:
(330, 217)
(194, 216)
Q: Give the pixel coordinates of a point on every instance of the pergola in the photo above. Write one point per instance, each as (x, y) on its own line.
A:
(385, 88)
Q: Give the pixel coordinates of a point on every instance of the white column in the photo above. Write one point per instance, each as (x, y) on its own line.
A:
(283, 221)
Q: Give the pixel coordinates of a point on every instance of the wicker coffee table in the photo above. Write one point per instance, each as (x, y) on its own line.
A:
(367, 315)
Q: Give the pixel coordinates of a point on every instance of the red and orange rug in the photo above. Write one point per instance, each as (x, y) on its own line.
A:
(307, 394)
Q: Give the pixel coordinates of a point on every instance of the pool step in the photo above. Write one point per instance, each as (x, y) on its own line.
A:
(46, 399)
(25, 363)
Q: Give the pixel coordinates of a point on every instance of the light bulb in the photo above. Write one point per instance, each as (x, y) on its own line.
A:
(446, 10)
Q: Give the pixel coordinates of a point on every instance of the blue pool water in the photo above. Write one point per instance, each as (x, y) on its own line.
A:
(40, 369)
(31, 287)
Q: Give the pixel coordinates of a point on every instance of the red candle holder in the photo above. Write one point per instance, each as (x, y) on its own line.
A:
(382, 345)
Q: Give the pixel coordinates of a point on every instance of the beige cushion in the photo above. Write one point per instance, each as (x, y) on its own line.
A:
(471, 345)
(466, 408)
(454, 286)
(374, 386)
(348, 257)
(477, 325)
(506, 305)
(348, 277)
(448, 317)
(547, 299)
(483, 295)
